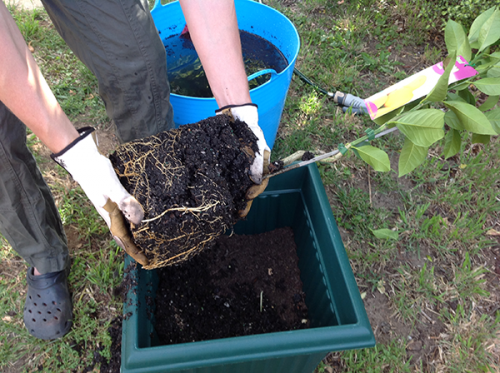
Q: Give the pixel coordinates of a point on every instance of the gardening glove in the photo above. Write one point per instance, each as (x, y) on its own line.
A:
(248, 113)
(256, 189)
(96, 176)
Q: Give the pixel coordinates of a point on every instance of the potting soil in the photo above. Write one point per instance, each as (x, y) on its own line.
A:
(191, 183)
(243, 285)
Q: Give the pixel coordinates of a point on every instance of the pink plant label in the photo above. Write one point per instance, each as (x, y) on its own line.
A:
(414, 87)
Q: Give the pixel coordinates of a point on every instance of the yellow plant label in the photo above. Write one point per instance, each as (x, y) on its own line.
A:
(414, 87)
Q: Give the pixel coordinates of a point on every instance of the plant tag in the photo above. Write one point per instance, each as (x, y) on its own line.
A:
(414, 87)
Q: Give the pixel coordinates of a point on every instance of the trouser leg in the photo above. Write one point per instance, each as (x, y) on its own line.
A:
(28, 216)
(119, 43)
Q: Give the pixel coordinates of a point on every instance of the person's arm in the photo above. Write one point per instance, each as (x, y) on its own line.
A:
(213, 28)
(25, 92)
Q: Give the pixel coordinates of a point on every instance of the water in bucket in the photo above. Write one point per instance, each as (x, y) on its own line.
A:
(187, 77)
(260, 20)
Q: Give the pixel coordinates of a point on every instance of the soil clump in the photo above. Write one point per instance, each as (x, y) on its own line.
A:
(191, 182)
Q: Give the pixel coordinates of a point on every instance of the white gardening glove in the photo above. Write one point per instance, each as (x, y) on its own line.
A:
(248, 113)
(96, 176)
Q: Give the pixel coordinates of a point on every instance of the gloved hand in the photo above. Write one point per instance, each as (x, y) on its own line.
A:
(256, 189)
(248, 113)
(96, 176)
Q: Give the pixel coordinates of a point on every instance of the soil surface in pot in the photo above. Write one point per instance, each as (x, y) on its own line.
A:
(245, 284)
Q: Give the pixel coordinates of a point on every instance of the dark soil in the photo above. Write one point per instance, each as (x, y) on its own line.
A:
(307, 156)
(114, 364)
(276, 166)
(115, 332)
(217, 294)
(191, 182)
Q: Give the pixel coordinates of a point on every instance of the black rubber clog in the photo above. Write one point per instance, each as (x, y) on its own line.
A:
(48, 312)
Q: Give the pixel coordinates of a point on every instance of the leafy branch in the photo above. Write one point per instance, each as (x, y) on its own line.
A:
(423, 122)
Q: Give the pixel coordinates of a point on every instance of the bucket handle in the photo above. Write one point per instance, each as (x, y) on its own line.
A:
(263, 72)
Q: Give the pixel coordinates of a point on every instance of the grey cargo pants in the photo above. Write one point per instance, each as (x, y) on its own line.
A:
(118, 42)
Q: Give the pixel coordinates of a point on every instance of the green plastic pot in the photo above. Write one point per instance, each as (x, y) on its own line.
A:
(295, 199)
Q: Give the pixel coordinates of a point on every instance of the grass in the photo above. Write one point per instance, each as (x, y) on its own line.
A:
(97, 268)
(431, 295)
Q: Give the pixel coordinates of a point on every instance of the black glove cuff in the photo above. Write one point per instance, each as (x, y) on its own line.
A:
(232, 106)
(84, 132)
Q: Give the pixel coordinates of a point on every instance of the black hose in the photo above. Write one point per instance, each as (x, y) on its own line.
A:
(308, 81)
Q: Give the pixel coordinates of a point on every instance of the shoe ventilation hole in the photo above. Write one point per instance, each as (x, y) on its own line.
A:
(59, 309)
(33, 320)
(29, 311)
(49, 312)
(54, 302)
(44, 304)
(55, 317)
(58, 332)
(44, 320)
(38, 295)
(35, 304)
(39, 312)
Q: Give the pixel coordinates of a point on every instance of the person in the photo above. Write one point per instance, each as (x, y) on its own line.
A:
(118, 42)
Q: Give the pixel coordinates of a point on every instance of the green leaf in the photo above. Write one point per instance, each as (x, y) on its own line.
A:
(411, 157)
(454, 97)
(456, 40)
(495, 56)
(490, 31)
(375, 157)
(385, 233)
(451, 119)
(476, 27)
(494, 72)
(490, 103)
(489, 86)
(461, 86)
(494, 118)
(471, 118)
(480, 139)
(452, 143)
(439, 91)
(423, 127)
(467, 97)
(484, 65)
(384, 118)
(411, 105)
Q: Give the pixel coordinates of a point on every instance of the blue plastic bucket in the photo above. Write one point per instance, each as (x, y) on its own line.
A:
(257, 19)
